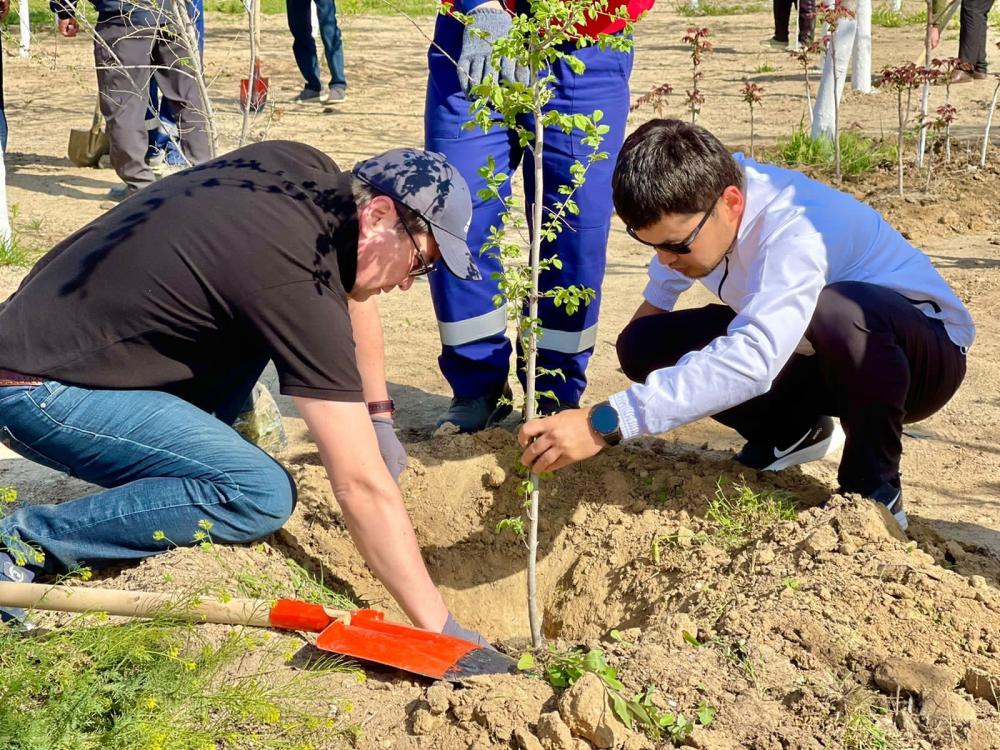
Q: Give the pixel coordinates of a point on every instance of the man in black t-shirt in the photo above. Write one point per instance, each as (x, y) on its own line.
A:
(128, 349)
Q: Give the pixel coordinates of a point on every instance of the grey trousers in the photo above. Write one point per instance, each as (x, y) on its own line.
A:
(127, 57)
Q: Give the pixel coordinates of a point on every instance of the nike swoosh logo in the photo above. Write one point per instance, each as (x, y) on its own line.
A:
(796, 444)
(13, 573)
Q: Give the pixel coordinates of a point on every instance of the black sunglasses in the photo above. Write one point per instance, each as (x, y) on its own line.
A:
(421, 267)
(677, 248)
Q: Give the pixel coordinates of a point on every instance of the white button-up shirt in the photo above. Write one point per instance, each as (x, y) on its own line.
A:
(796, 236)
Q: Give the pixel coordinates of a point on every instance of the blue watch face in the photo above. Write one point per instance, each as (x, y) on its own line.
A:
(604, 418)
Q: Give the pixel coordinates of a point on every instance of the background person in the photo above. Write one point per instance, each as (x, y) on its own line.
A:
(827, 311)
(973, 27)
(475, 351)
(299, 16)
(134, 44)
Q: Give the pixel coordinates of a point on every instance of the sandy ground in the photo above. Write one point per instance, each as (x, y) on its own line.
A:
(600, 521)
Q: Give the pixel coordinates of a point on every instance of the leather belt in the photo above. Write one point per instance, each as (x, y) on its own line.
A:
(10, 377)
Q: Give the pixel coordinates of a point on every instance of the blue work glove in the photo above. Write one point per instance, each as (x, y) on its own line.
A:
(454, 629)
(474, 64)
(392, 451)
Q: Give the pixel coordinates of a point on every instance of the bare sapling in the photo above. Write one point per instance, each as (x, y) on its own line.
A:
(656, 98)
(752, 96)
(803, 56)
(945, 68)
(538, 39)
(832, 15)
(989, 120)
(903, 80)
(188, 35)
(700, 47)
(945, 116)
(252, 102)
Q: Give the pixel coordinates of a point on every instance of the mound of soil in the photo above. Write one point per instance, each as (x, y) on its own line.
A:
(807, 633)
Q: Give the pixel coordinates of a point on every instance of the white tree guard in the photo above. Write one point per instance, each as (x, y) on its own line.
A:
(694, 5)
(861, 70)
(315, 20)
(895, 5)
(4, 216)
(24, 13)
(853, 45)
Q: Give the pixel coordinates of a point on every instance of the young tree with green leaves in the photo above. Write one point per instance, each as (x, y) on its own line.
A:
(519, 92)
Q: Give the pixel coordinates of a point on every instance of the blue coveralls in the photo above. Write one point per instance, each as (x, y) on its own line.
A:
(163, 126)
(475, 351)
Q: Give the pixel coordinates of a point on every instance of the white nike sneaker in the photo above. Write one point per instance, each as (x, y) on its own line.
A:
(819, 441)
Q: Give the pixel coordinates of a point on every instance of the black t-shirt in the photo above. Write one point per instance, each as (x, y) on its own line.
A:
(194, 284)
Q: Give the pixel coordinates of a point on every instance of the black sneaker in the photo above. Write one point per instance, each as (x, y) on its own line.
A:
(819, 441)
(892, 498)
(12, 573)
(475, 414)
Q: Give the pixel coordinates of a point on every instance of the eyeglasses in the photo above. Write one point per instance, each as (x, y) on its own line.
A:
(420, 265)
(677, 248)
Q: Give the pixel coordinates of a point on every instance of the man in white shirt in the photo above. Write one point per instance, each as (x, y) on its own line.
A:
(828, 311)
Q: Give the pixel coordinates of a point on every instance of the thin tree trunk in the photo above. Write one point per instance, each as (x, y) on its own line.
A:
(24, 14)
(899, 141)
(836, 105)
(925, 96)
(189, 38)
(989, 124)
(531, 355)
(254, 26)
(751, 133)
(5, 230)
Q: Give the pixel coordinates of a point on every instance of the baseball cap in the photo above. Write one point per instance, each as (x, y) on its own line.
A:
(426, 183)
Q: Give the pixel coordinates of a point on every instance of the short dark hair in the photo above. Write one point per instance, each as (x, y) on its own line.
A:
(412, 222)
(670, 167)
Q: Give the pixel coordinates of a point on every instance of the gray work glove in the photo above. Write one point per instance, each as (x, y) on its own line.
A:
(393, 452)
(474, 64)
(454, 629)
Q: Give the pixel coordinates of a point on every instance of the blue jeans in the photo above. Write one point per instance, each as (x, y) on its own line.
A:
(304, 46)
(475, 351)
(166, 466)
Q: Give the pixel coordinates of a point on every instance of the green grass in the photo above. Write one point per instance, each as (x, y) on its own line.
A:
(884, 16)
(156, 685)
(304, 586)
(741, 514)
(15, 251)
(858, 154)
(863, 731)
(718, 9)
(765, 68)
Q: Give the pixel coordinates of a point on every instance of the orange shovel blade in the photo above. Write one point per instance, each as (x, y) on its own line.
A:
(371, 638)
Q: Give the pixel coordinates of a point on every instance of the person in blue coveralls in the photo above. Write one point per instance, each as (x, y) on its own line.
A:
(475, 351)
(826, 311)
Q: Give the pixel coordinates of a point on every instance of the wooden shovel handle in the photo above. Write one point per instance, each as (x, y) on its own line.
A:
(143, 604)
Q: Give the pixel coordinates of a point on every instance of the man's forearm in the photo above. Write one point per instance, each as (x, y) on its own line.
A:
(380, 527)
(369, 348)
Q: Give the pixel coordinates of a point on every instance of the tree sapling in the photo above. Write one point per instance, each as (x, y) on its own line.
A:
(752, 96)
(700, 47)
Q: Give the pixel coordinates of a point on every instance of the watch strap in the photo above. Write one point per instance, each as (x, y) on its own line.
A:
(377, 407)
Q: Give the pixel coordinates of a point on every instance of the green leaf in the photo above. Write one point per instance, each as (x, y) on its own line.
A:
(526, 662)
(705, 713)
(615, 635)
(620, 709)
(690, 639)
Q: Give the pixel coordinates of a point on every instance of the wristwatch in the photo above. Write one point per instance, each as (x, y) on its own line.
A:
(604, 421)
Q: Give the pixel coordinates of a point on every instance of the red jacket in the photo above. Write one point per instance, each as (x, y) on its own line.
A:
(604, 24)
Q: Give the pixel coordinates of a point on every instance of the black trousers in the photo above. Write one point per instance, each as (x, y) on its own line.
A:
(972, 32)
(127, 58)
(878, 362)
(807, 19)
